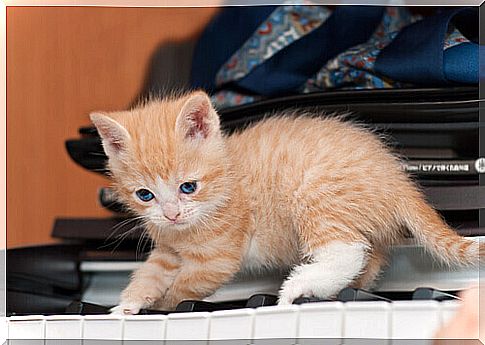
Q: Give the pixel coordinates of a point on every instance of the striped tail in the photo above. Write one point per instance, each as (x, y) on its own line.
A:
(429, 229)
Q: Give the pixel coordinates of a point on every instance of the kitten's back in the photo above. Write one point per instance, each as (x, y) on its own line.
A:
(290, 153)
(304, 168)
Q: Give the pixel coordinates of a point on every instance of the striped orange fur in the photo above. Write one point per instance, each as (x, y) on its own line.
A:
(320, 196)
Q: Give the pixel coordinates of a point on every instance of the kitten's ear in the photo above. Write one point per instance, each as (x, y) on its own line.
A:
(197, 119)
(114, 136)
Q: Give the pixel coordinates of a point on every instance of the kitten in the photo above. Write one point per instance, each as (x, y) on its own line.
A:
(321, 196)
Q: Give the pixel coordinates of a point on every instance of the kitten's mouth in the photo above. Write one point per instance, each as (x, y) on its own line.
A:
(176, 223)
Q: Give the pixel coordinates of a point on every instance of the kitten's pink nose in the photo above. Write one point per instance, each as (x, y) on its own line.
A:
(171, 211)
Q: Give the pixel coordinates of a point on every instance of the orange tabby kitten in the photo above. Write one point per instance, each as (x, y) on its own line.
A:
(321, 196)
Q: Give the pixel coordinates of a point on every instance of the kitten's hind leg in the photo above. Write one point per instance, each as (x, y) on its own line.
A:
(331, 268)
(376, 260)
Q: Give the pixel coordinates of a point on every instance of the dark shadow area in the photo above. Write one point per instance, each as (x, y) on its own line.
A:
(168, 70)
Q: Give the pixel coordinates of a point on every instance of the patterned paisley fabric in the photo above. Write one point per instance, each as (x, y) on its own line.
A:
(283, 27)
(267, 64)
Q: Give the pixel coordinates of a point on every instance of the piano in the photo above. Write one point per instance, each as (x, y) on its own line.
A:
(413, 298)
(353, 317)
(321, 322)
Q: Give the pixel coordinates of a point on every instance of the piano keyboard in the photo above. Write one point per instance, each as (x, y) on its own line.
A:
(391, 313)
(292, 324)
(410, 268)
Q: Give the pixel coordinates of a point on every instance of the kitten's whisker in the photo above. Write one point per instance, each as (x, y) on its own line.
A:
(143, 238)
(120, 225)
(146, 240)
(121, 237)
(97, 154)
(124, 236)
(124, 233)
(129, 232)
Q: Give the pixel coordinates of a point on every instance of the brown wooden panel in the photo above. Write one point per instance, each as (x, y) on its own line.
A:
(62, 63)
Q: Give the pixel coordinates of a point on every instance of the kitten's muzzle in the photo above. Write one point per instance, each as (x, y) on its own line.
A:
(171, 212)
(174, 219)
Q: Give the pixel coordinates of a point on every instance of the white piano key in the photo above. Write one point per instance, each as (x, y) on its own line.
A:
(3, 329)
(144, 327)
(368, 320)
(321, 320)
(26, 327)
(187, 326)
(64, 329)
(415, 320)
(103, 327)
(26, 330)
(232, 325)
(276, 322)
(448, 310)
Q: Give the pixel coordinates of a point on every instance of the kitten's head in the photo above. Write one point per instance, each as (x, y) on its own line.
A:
(167, 160)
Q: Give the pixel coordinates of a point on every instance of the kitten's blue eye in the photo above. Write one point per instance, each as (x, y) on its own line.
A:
(144, 195)
(188, 187)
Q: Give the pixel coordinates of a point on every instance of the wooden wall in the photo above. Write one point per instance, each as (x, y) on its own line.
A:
(62, 63)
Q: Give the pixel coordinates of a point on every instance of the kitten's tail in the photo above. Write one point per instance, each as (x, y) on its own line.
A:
(440, 240)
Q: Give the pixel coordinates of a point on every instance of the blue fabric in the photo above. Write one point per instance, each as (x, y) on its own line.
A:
(416, 54)
(481, 59)
(221, 38)
(461, 63)
(286, 71)
(250, 53)
(354, 68)
(286, 25)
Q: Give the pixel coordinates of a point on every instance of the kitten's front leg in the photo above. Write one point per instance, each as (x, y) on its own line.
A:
(200, 277)
(149, 283)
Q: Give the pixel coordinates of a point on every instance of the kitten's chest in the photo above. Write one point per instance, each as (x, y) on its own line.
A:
(271, 249)
(255, 257)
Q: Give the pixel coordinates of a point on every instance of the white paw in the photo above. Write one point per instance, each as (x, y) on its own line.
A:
(333, 268)
(126, 309)
(132, 307)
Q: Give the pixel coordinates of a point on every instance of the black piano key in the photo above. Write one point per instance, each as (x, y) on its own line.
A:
(352, 294)
(396, 295)
(303, 300)
(261, 300)
(155, 312)
(84, 308)
(194, 306)
(433, 294)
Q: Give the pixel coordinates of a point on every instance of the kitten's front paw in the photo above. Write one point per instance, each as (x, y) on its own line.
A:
(125, 309)
(132, 307)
